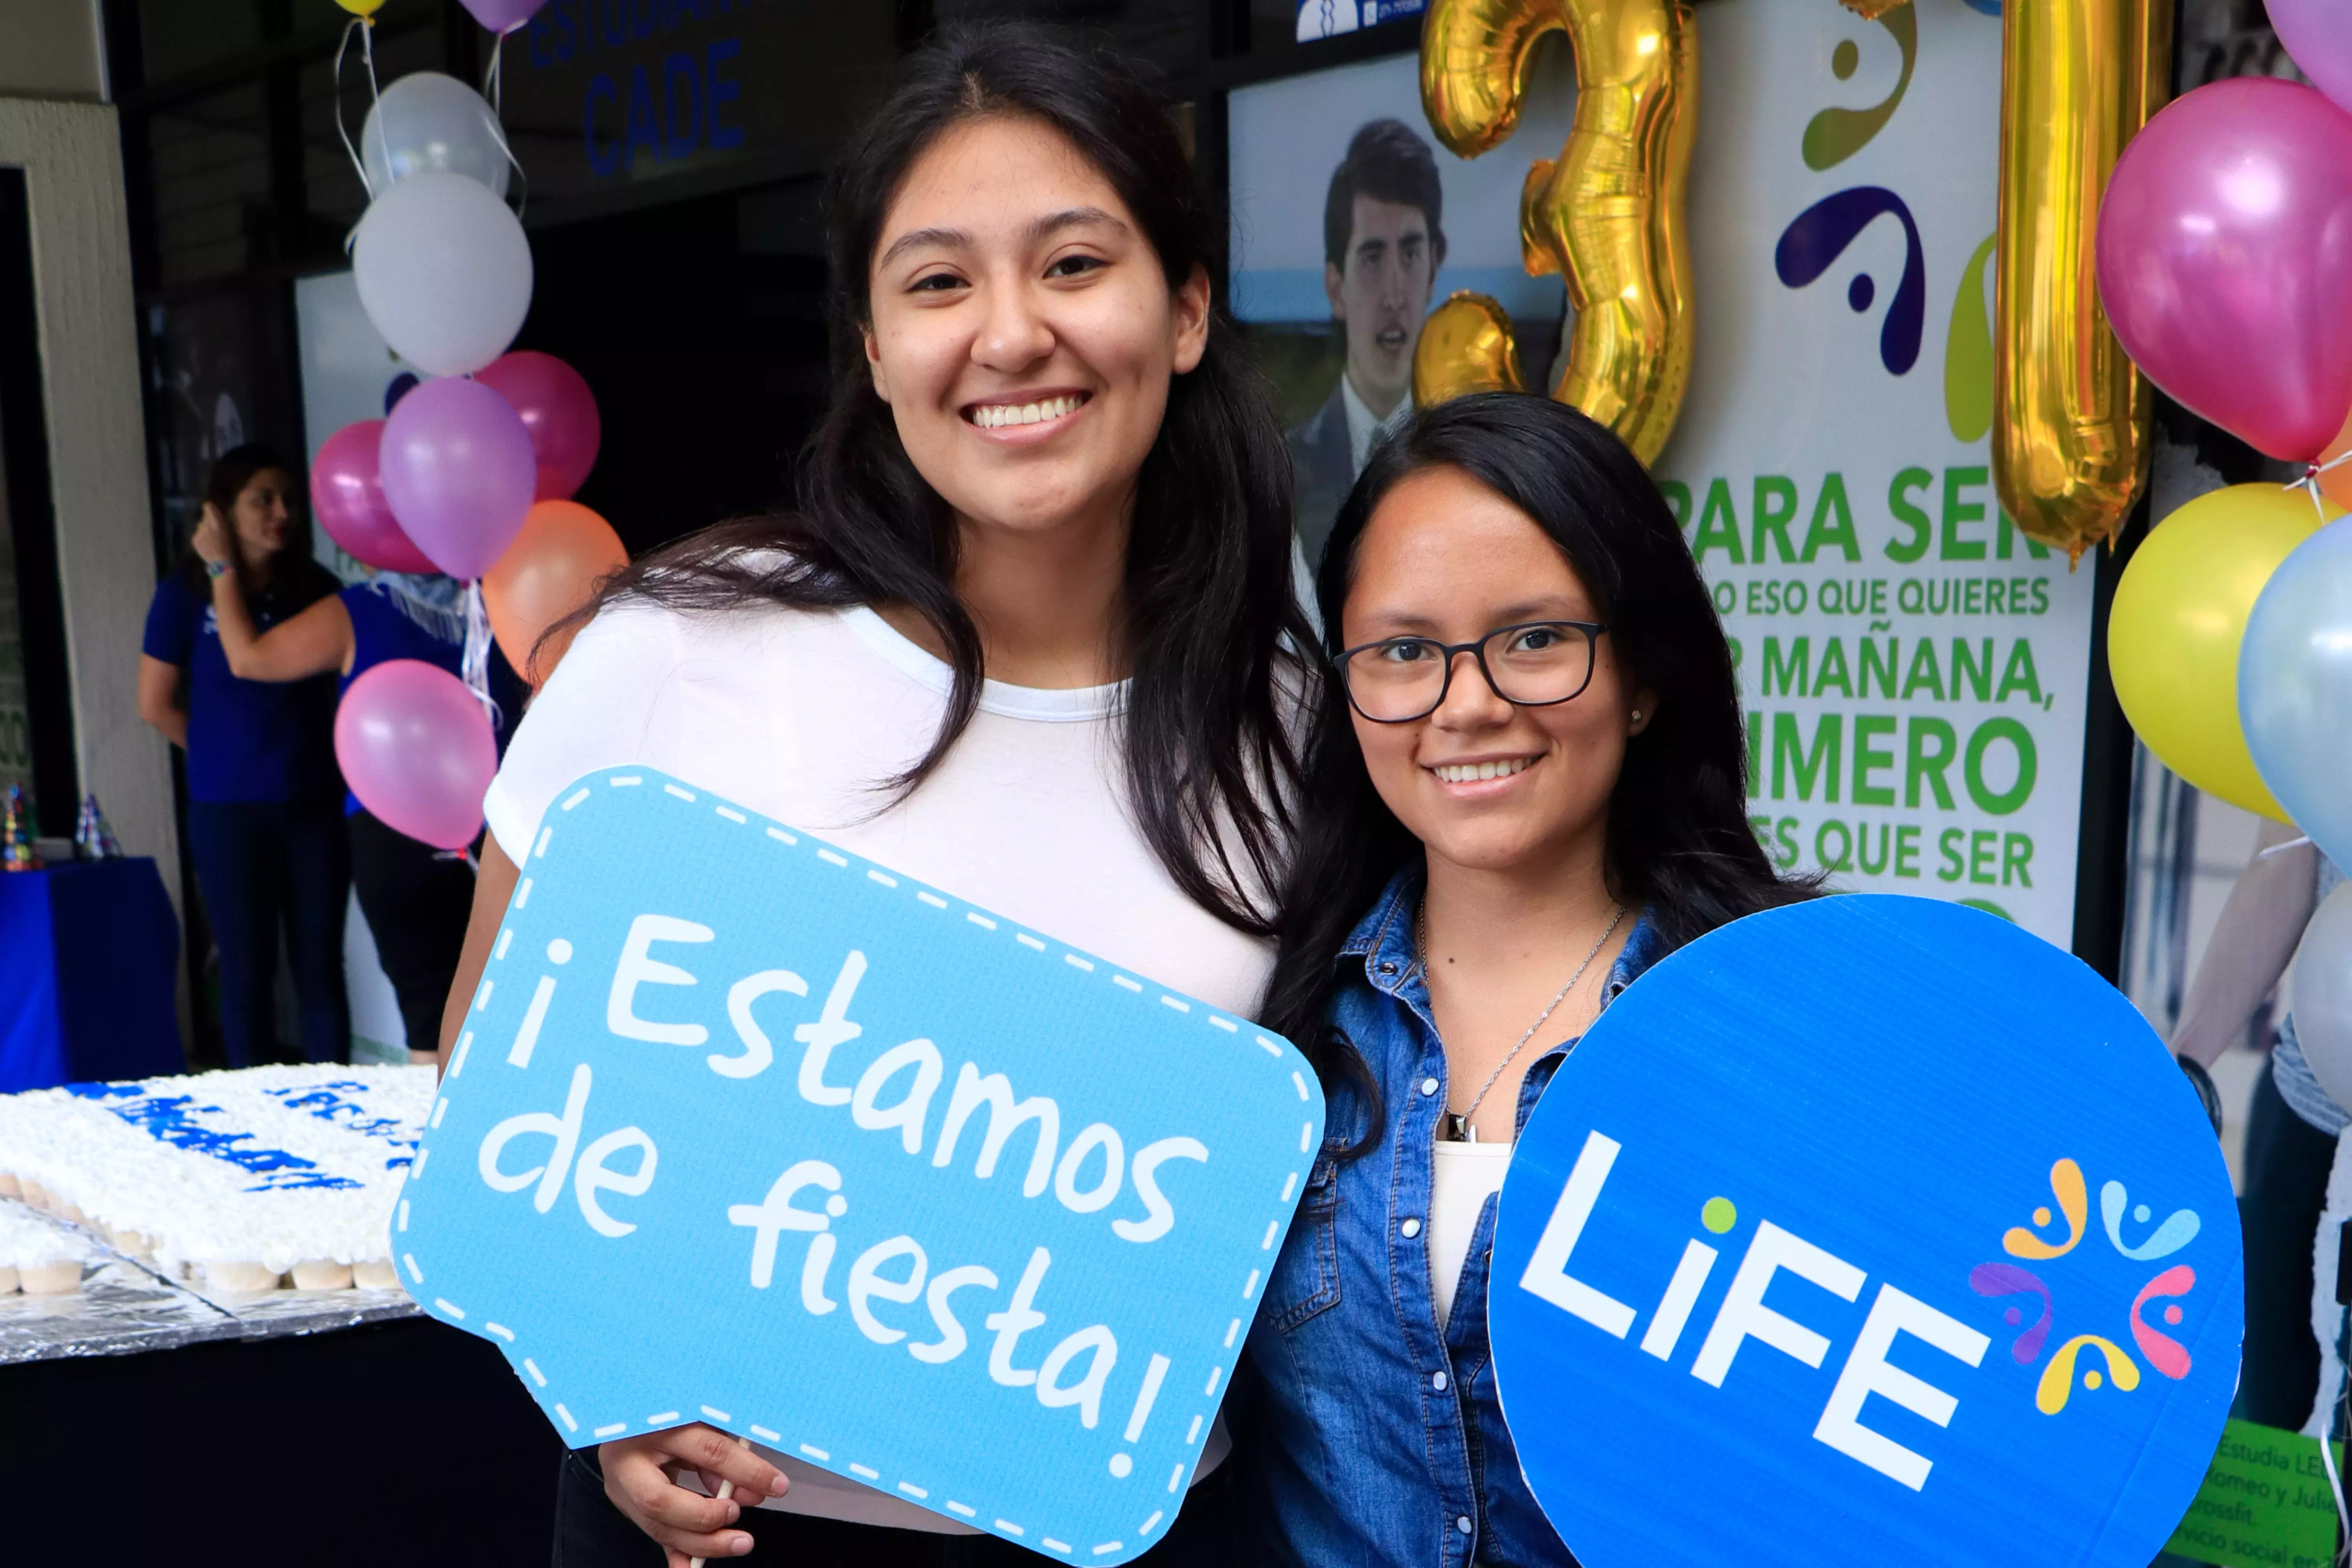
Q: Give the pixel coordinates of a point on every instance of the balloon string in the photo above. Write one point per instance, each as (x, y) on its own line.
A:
(494, 90)
(358, 164)
(2328, 1459)
(475, 664)
(375, 99)
(2309, 482)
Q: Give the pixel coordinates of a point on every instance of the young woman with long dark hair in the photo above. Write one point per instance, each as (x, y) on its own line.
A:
(1024, 638)
(1525, 783)
(264, 798)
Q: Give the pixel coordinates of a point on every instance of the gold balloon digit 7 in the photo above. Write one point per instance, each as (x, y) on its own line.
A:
(1608, 215)
(2079, 78)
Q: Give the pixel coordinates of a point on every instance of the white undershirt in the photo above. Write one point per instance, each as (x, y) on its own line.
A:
(796, 714)
(1463, 1178)
(1367, 430)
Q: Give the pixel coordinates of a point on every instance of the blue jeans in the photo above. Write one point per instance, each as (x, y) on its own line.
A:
(263, 865)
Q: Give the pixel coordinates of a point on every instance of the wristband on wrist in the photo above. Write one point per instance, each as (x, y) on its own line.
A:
(216, 569)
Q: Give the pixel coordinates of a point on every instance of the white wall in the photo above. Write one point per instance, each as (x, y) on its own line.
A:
(50, 49)
(71, 153)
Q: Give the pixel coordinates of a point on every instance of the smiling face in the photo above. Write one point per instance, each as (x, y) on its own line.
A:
(1482, 783)
(1021, 330)
(1382, 295)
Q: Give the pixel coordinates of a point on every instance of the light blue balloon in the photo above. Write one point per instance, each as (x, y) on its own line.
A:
(2294, 688)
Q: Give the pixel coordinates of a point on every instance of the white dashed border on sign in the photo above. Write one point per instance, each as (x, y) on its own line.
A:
(1075, 967)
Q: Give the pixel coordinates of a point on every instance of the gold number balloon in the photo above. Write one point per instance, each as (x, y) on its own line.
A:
(1607, 215)
(2070, 448)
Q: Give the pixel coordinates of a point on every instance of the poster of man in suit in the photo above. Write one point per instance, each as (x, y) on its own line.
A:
(1383, 240)
(1350, 222)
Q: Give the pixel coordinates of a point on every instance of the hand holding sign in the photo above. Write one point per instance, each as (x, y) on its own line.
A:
(1928, 1256)
(746, 1131)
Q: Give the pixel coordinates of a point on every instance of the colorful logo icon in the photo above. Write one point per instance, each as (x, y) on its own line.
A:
(2167, 1355)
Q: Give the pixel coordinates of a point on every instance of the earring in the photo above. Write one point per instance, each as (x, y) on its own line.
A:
(1637, 715)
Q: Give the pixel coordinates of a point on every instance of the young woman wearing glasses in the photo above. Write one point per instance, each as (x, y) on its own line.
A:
(1526, 783)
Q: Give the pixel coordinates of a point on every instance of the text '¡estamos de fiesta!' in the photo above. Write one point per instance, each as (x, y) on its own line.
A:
(896, 1270)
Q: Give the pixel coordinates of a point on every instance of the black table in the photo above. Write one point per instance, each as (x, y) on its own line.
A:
(407, 1444)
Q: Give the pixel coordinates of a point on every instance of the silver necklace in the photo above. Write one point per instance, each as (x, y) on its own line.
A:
(1457, 1125)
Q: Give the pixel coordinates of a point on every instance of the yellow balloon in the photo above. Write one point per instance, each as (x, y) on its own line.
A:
(2070, 448)
(1608, 215)
(1465, 346)
(361, 7)
(2180, 614)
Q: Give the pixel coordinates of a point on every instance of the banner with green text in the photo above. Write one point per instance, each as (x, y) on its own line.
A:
(1912, 668)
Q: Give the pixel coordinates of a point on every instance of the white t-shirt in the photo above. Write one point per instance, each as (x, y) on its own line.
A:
(798, 715)
(1463, 1177)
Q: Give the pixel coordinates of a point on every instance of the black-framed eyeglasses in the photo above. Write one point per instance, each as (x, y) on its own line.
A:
(1532, 664)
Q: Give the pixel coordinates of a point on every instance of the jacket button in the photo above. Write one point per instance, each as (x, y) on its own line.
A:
(1410, 1228)
(1428, 1086)
(1437, 1380)
(1387, 966)
(1463, 1524)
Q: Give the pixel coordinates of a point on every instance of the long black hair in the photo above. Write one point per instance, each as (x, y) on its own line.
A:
(293, 576)
(1209, 762)
(1678, 841)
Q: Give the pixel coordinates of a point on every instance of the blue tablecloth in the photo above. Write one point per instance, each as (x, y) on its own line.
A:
(87, 950)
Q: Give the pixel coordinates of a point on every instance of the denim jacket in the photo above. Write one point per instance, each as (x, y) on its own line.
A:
(1383, 1443)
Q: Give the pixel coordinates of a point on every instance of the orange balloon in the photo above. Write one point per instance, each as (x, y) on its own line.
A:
(2335, 484)
(551, 568)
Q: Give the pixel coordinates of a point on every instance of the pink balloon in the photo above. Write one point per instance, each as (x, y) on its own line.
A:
(458, 473)
(417, 749)
(503, 16)
(558, 410)
(2318, 37)
(2224, 260)
(347, 497)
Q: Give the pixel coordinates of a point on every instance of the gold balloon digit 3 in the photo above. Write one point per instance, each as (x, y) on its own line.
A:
(1608, 215)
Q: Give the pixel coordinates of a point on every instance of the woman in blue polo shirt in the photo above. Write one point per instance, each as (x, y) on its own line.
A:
(415, 898)
(264, 824)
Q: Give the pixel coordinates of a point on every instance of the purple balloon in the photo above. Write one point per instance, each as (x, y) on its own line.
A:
(347, 497)
(416, 749)
(2225, 259)
(503, 16)
(2319, 36)
(458, 473)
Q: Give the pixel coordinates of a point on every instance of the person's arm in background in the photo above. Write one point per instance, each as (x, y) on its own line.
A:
(159, 699)
(316, 642)
(2252, 943)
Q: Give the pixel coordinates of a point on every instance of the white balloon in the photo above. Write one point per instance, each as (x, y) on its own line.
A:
(428, 120)
(443, 271)
(2323, 995)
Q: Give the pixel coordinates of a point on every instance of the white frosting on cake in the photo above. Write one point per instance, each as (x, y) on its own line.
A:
(27, 1241)
(269, 1166)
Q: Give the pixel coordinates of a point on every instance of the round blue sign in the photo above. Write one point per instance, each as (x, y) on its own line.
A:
(1872, 1229)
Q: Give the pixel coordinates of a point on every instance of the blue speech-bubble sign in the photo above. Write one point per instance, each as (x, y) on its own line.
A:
(1880, 1231)
(745, 1129)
